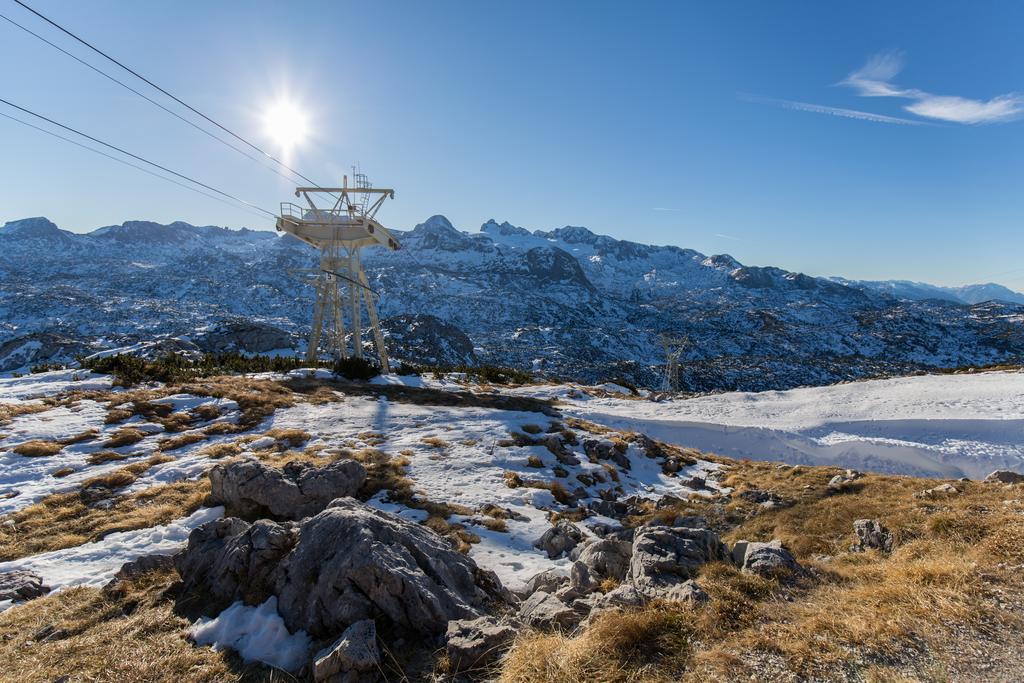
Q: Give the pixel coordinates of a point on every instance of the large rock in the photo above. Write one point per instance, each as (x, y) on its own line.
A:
(250, 489)
(872, 534)
(608, 558)
(348, 563)
(21, 585)
(544, 610)
(559, 539)
(243, 335)
(352, 658)
(1005, 477)
(354, 562)
(229, 559)
(664, 557)
(770, 560)
(476, 643)
(549, 580)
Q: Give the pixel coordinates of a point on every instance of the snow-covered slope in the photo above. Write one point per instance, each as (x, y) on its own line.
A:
(937, 425)
(588, 306)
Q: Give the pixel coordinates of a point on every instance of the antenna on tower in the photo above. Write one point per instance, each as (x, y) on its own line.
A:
(340, 233)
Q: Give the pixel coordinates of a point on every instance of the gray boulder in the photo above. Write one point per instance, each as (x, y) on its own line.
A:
(688, 591)
(770, 560)
(348, 563)
(1005, 477)
(250, 489)
(871, 534)
(544, 610)
(352, 658)
(559, 539)
(608, 558)
(138, 567)
(353, 562)
(229, 559)
(581, 580)
(476, 643)
(667, 556)
(549, 580)
(21, 585)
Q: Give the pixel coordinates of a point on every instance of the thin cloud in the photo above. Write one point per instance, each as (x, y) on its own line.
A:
(874, 79)
(728, 237)
(832, 111)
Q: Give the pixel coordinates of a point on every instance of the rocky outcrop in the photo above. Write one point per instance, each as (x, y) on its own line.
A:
(229, 559)
(664, 557)
(1005, 477)
(559, 539)
(872, 535)
(475, 643)
(769, 560)
(352, 658)
(21, 585)
(348, 563)
(607, 558)
(250, 489)
(420, 338)
(243, 335)
(545, 611)
(353, 562)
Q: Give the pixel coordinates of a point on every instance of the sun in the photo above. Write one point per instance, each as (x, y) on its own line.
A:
(286, 124)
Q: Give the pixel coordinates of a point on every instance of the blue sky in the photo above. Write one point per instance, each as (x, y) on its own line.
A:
(870, 140)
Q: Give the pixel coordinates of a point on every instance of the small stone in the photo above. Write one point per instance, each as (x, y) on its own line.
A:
(353, 658)
(559, 539)
(544, 610)
(475, 643)
(871, 534)
(21, 585)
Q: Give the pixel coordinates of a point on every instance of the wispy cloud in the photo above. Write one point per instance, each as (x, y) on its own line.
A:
(728, 237)
(833, 111)
(875, 79)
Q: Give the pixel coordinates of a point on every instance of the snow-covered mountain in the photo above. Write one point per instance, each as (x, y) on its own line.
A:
(586, 306)
(916, 291)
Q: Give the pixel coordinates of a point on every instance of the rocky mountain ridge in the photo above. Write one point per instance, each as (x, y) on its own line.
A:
(568, 302)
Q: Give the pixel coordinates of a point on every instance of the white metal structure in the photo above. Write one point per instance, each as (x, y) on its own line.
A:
(340, 232)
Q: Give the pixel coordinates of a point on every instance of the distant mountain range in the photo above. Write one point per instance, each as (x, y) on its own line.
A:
(568, 302)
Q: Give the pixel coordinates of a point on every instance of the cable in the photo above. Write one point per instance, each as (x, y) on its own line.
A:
(126, 163)
(145, 97)
(154, 85)
(137, 157)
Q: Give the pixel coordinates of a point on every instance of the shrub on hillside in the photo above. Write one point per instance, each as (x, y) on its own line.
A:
(357, 369)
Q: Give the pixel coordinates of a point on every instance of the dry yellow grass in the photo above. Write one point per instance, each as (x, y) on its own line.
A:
(64, 520)
(38, 448)
(100, 457)
(124, 437)
(434, 441)
(292, 437)
(864, 616)
(80, 437)
(222, 450)
(9, 411)
(180, 441)
(131, 637)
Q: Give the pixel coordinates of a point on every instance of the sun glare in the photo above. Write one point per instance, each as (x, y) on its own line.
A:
(286, 124)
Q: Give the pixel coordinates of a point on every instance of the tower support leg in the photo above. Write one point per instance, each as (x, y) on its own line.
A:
(378, 336)
(312, 353)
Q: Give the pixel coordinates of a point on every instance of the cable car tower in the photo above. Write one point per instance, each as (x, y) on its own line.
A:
(340, 232)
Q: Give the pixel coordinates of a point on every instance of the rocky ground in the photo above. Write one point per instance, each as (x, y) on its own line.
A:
(302, 527)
